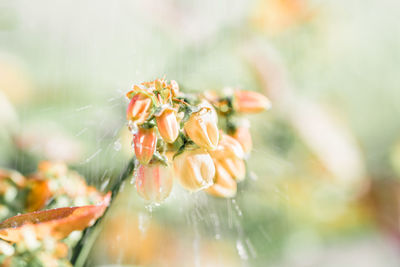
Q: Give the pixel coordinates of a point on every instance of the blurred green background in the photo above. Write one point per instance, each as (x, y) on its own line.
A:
(323, 188)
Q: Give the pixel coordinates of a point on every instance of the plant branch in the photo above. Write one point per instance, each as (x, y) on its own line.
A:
(84, 245)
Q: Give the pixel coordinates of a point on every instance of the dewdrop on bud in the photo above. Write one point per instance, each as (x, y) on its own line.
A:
(154, 182)
(250, 102)
(224, 185)
(144, 142)
(194, 169)
(139, 108)
(168, 125)
(202, 129)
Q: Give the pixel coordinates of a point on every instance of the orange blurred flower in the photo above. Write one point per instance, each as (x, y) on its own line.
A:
(14, 176)
(276, 16)
(38, 195)
(56, 169)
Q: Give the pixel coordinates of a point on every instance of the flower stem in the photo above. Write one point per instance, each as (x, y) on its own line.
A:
(82, 249)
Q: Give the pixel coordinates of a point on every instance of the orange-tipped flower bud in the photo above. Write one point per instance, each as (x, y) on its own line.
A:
(202, 129)
(154, 182)
(224, 185)
(145, 141)
(139, 108)
(194, 169)
(250, 102)
(168, 125)
(243, 136)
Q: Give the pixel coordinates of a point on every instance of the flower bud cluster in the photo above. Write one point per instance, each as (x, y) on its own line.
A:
(193, 138)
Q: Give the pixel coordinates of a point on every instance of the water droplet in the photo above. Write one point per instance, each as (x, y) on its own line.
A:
(143, 222)
(134, 177)
(253, 176)
(241, 250)
(122, 186)
(117, 145)
(104, 184)
(251, 248)
(238, 211)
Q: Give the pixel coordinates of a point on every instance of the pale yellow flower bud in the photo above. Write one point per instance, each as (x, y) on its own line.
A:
(224, 185)
(250, 102)
(154, 182)
(194, 169)
(235, 167)
(229, 154)
(145, 141)
(228, 147)
(202, 129)
(168, 125)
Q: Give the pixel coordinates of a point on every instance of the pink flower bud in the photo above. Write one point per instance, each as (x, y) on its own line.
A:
(202, 129)
(250, 102)
(194, 169)
(154, 182)
(145, 141)
(139, 108)
(224, 185)
(168, 126)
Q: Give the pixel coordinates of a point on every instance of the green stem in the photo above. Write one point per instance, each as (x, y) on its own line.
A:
(82, 249)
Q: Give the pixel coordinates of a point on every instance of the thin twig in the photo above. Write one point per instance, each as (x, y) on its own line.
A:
(83, 247)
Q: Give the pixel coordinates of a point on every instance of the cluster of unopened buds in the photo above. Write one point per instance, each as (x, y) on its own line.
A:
(198, 139)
